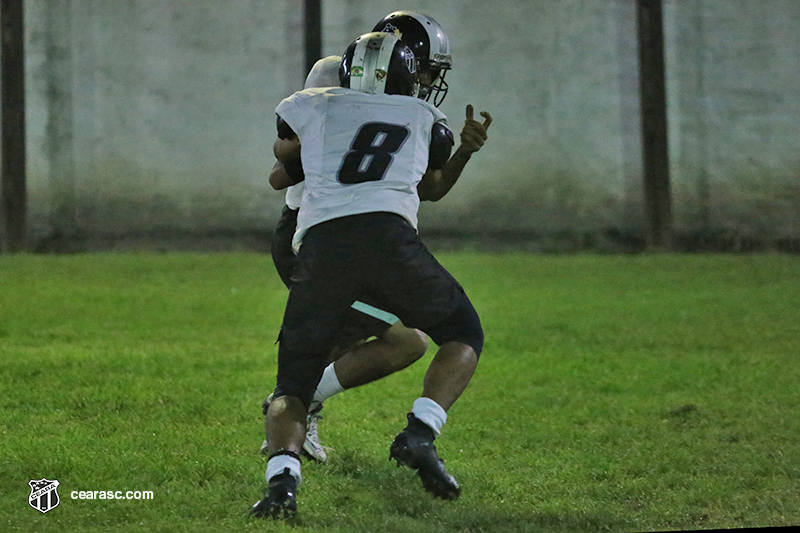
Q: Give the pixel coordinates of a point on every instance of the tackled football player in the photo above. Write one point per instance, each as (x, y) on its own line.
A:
(369, 150)
(395, 346)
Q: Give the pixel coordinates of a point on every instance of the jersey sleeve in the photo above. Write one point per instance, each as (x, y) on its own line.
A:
(295, 111)
(284, 130)
(439, 117)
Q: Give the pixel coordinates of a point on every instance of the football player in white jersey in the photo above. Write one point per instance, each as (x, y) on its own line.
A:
(395, 347)
(357, 363)
(369, 150)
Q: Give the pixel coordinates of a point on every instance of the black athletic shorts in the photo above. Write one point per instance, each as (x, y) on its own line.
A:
(375, 258)
(359, 325)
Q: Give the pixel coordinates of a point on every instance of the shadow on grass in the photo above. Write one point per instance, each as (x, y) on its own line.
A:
(482, 512)
(378, 496)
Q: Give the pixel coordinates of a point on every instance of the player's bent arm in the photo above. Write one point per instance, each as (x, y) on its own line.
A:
(473, 137)
(427, 188)
(432, 186)
(286, 150)
(278, 177)
(286, 174)
(287, 145)
(440, 182)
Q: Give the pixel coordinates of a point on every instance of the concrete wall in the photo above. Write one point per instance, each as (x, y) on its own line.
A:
(157, 114)
(150, 116)
(733, 72)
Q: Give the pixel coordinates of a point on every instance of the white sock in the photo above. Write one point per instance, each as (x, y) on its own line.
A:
(430, 412)
(328, 385)
(277, 464)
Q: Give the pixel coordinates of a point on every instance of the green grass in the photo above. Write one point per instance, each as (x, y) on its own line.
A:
(618, 393)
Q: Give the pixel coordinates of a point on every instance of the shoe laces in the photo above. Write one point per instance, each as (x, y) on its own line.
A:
(312, 419)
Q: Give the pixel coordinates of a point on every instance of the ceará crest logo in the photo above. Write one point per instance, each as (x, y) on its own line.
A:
(44, 496)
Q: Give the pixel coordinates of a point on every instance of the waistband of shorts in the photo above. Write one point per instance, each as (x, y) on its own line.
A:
(361, 220)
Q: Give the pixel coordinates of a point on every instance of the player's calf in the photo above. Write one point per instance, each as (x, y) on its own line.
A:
(312, 447)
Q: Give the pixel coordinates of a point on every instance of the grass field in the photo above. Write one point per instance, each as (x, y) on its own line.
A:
(615, 393)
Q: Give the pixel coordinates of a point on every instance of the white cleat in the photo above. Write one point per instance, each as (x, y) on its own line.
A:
(312, 447)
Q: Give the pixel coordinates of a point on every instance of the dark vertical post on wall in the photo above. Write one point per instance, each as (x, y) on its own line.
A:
(652, 87)
(12, 94)
(312, 32)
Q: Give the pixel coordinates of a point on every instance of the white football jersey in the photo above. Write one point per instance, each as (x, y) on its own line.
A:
(324, 73)
(361, 153)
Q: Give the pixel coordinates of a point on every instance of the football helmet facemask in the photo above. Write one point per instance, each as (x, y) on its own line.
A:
(379, 63)
(430, 45)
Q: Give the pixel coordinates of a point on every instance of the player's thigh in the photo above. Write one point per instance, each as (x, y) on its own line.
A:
(414, 285)
(313, 318)
(427, 297)
(360, 324)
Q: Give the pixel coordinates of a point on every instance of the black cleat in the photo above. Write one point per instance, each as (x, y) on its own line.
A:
(280, 501)
(414, 448)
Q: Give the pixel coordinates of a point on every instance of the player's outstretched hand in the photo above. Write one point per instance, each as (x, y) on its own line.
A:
(473, 135)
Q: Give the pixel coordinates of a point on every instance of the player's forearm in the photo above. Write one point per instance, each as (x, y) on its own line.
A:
(448, 176)
(279, 178)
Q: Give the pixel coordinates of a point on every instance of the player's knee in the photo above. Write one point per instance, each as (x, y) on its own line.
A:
(288, 389)
(300, 389)
(463, 326)
(409, 345)
(416, 346)
(298, 374)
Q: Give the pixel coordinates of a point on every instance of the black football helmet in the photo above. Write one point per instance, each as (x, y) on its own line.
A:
(379, 63)
(430, 45)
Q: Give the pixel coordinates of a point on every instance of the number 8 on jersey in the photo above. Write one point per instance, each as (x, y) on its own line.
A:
(371, 152)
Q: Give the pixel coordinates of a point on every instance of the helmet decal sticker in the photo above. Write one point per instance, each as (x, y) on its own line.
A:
(390, 28)
(411, 60)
